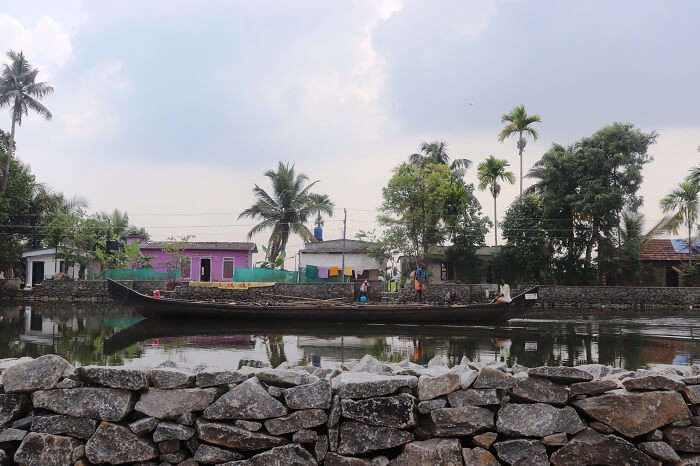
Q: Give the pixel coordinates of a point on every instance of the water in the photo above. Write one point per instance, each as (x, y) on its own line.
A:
(107, 334)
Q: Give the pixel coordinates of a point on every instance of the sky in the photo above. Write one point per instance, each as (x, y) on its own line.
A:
(173, 110)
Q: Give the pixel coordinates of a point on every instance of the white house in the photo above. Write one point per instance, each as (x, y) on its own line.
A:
(43, 264)
(330, 254)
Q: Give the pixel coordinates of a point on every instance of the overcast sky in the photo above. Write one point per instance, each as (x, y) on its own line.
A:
(172, 110)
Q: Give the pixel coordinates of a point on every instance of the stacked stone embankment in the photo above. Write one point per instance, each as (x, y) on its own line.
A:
(369, 414)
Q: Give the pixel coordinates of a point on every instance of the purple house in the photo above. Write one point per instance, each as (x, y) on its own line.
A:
(204, 262)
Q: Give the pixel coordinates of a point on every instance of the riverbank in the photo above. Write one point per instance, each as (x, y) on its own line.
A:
(370, 413)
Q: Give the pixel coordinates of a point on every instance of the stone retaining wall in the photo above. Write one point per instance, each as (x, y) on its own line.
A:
(279, 292)
(76, 290)
(370, 414)
(468, 293)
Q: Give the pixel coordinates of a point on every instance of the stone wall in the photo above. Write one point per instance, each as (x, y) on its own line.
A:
(372, 413)
(278, 292)
(76, 290)
(556, 295)
(468, 293)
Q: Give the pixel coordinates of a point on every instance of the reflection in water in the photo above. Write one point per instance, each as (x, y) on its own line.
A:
(100, 334)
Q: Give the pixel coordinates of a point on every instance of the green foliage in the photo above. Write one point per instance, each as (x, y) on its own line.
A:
(436, 152)
(173, 247)
(684, 203)
(520, 123)
(689, 274)
(286, 209)
(276, 263)
(490, 172)
(526, 255)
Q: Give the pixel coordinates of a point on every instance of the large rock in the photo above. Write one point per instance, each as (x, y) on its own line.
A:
(107, 404)
(561, 374)
(46, 450)
(36, 374)
(171, 431)
(457, 422)
(116, 444)
(395, 411)
(652, 382)
(169, 404)
(13, 406)
(692, 394)
(537, 420)
(445, 452)
(230, 436)
(370, 364)
(357, 438)
(433, 387)
(478, 457)
(594, 387)
(208, 454)
(166, 378)
(685, 439)
(113, 377)
(304, 419)
(212, 377)
(143, 426)
(633, 414)
(334, 459)
(513, 451)
(360, 385)
(608, 451)
(64, 425)
(287, 455)
(315, 395)
(660, 450)
(540, 390)
(285, 377)
(493, 378)
(424, 407)
(11, 437)
(248, 400)
(474, 397)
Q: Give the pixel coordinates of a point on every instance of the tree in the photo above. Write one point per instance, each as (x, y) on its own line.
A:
(467, 230)
(519, 122)
(173, 247)
(286, 209)
(490, 172)
(436, 152)
(684, 203)
(527, 247)
(20, 91)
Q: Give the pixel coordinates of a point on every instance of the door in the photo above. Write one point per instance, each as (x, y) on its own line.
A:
(205, 270)
(37, 272)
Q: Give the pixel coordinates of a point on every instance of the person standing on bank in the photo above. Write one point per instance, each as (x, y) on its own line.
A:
(364, 289)
(419, 283)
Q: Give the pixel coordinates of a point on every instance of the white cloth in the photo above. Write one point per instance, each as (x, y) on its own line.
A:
(505, 291)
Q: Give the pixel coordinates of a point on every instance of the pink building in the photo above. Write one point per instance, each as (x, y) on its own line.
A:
(205, 262)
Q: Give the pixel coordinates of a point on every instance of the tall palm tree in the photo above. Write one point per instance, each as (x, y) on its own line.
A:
(490, 172)
(684, 203)
(286, 209)
(436, 152)
(20, 91)
(519, 122)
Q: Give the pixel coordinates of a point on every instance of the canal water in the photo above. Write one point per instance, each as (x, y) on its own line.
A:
(112, 335)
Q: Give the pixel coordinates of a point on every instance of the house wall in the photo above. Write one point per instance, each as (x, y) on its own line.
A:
(242, 259)
(353, 260)
(51, 267)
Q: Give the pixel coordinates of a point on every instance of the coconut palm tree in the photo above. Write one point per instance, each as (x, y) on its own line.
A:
(684, 203)
(286, 208)
(519, 122)
(436, 152)
(490, 172)
(20, 91)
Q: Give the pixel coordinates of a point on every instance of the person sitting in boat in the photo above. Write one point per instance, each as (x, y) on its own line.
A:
(419, 283)
(503, 293)
(364, 289)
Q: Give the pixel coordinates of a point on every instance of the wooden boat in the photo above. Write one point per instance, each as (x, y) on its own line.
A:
(166, 308)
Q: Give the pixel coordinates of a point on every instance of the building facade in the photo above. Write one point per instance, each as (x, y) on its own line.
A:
(330, 254)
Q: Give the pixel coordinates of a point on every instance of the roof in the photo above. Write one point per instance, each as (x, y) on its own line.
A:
(199, 245)
(335, 246)
(661, 250)
(39, 252)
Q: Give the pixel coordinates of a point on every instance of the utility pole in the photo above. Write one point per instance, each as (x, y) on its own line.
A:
(345, 224)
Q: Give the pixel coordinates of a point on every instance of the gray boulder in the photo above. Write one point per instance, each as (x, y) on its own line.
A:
(660, 450)
(513, 451)
(474, 397)
(316, 395)
(357, 438)
(212, 377)
(561, 374)
(652, 382)
(361, 385)
(395, 411)
(433, 387)
(169, 404)
(37, 374)
(445, 452)
(208, 454)
(305, 436)
(304, 419)
(692, 394)
(107, 404)
(493, 378)
(13, 406)
(285, 377)
(115, 444)
(143, 426)
(684, 439)
(248, 425)
(334, 459)
(370, 364)
(335, 411)
(478, 457)
(248, 400)
(424, 407)
(229, 436)
(540, 390)
(113, 377)
(634, 414)
(166, 378)
(65, 425)
(287, 455)
(45, 450)
(171, 431)
(537, 420)
(10, 438)
(594, 387)
(457, 422)
(609, 451)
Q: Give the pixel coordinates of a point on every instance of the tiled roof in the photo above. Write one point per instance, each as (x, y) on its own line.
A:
(661, 250)
(200, 246)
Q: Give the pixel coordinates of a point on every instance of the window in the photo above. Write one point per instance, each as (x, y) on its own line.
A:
(186, 267)
(229, 266)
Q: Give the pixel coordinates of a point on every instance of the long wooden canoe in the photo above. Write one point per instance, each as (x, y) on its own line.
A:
(165, 308)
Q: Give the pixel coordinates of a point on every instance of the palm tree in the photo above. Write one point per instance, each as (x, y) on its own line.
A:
(519, 122)
(436, 152)
(20, 91)
(490, 172)
(684, 203)
(286, 209)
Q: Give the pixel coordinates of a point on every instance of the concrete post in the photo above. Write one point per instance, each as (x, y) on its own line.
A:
(28, 284)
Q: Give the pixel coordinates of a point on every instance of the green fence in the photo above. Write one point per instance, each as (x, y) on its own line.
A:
(134, 274)
(265, 275)
(309, 274)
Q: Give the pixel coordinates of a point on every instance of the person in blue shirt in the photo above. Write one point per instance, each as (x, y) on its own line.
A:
(419, 283)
